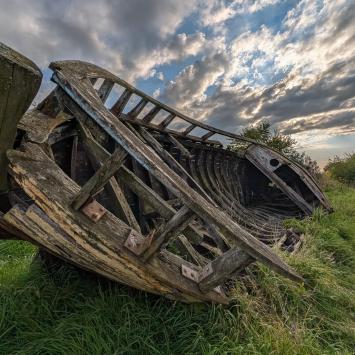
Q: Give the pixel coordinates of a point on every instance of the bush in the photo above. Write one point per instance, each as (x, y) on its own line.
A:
(342, 169)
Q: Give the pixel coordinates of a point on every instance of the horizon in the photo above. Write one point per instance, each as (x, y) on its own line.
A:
(230, 64)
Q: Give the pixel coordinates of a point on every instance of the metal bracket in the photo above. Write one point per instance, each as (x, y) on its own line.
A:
(137, 243)
(94, 210)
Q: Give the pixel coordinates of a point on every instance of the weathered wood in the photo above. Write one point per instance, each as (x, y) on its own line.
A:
(188, 129)
(102, 242)
(173, 228)
(39, 126)
(100, 178)
(71, 78)
(140, 188)
(220, 269)
(20, 79)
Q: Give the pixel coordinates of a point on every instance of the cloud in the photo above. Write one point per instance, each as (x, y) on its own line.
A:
(299, 77)
(298, 72)
(128, 37)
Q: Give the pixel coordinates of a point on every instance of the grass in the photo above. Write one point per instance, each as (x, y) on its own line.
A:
(66, 313)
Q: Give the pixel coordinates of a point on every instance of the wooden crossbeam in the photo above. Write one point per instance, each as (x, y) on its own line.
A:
(100, 178)
(188, 130)
(138, 108)
(151, 114)
(167, 121)
(221, 268)
(118, 107)
(207, 135)
(147, 194)
(172, 229)
(105, 89)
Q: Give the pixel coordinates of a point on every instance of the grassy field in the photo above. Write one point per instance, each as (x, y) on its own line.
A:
(67, 314)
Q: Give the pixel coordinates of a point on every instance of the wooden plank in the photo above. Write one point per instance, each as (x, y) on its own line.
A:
(20, 80)
(220, 269)
(100, 178)
(167, 158)
(120, 203)
(39, 126)
(173, 228)
(123, 208)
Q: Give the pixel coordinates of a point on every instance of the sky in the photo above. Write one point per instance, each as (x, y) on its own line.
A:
(228, 63)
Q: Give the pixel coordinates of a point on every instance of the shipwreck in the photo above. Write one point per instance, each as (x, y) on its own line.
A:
(107, 178)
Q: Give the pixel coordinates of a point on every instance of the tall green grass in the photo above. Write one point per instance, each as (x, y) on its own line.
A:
(68, 313)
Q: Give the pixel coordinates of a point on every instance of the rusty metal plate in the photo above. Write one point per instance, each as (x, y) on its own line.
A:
(93, 210)
(137, 243)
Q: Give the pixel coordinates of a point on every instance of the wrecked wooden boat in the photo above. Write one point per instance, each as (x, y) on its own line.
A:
(115, 182)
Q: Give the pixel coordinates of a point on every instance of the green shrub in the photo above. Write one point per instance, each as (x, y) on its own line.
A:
(342, 169)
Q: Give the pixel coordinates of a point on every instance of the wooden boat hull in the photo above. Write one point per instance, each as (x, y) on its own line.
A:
(115, 182)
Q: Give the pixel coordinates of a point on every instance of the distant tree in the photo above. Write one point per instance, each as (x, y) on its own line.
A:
(283, 143)
(342, 169)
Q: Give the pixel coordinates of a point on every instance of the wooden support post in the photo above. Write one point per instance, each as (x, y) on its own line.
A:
(100, 178)
(20, 79)
(222, 268)
(172, 229)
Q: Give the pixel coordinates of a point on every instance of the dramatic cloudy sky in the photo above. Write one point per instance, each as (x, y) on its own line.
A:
(229, 63)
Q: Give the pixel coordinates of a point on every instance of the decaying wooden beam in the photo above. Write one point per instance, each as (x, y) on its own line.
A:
(20, 80)
(39, 126)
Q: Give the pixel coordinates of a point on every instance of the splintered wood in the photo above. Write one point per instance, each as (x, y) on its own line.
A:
(115, 186)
